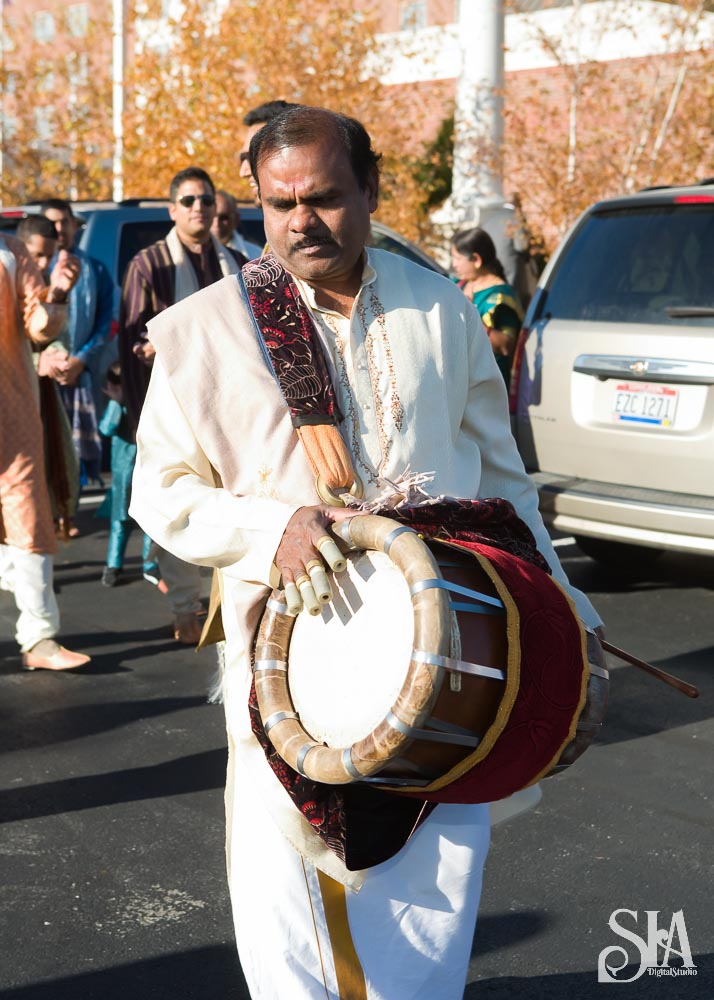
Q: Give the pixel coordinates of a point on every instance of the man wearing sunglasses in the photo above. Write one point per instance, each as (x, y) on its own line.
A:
(188, 259)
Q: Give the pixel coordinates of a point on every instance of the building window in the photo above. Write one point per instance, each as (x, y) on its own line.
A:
(7, 40)
(45, 77)
(413, 15)
(77, 69)
(78, 20)
(9, 126)
(43, 123)
(43, 26)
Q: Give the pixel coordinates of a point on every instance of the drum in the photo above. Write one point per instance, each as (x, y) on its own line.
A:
(414, 676)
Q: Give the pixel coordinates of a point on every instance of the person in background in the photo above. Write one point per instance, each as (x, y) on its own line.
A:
(115, 426)
(254, 121)
(188, 259)
(61, 461)
(32, 313)
(225, 227)
(481, 278)
(88, 328)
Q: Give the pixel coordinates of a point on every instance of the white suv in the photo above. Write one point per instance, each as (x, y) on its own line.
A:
(613, 383)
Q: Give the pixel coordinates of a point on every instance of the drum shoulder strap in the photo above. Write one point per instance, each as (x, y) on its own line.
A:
(292, 346)
(291, 341)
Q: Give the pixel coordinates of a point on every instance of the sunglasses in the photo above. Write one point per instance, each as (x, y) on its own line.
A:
(244, 157)
(187, 200)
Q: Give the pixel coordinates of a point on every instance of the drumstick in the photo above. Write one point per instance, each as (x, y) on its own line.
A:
(679, 685)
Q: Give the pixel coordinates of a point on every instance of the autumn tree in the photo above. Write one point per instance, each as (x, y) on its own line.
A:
(56, 98)
(194, 76)
(588, 129)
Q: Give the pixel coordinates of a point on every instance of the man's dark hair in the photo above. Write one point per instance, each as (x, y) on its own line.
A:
(36, 225)
(189, 174)
(58, 204)
(301, 125)
(266, 112)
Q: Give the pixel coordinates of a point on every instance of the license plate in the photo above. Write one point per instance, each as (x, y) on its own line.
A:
(645, 403)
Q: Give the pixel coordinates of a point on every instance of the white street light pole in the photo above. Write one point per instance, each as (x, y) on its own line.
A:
(118, 45)
(477, 188)
(478, 119)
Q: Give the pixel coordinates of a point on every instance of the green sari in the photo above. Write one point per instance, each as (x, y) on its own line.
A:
(500, 309)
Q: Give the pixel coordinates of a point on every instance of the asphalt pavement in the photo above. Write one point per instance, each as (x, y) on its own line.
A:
(112, 835)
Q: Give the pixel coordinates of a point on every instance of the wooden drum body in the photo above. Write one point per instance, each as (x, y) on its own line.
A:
(403, 679)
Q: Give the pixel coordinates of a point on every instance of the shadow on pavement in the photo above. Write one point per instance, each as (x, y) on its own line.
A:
(193, 773)
(200, 974)
(584, 985)
(500, 930)
(74, 722)
(673, 571)
(666, 708)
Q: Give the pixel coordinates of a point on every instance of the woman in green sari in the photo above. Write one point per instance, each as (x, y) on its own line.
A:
(480, 275)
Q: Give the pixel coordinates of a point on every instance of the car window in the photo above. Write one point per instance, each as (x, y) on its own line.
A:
(637, 265)
(137, 235)
(382, 241)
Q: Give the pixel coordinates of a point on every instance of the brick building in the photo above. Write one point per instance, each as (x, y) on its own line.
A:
(420, 52)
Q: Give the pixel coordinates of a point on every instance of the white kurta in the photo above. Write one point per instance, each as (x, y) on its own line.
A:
(219, 473)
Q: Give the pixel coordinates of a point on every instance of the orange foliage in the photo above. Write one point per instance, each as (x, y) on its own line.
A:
(579, 133)
(56, 102)
(190, 96)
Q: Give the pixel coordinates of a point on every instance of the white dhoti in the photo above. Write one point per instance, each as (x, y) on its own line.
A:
(404, 934)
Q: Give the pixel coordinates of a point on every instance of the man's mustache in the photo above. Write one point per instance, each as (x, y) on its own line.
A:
(314, 241)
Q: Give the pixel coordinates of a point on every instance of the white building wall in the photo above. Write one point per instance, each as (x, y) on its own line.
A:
(605, 31)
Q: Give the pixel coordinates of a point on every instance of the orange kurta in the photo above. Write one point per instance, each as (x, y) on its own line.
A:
(25, 319)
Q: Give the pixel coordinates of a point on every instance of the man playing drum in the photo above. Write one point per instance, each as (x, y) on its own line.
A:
(226, 477)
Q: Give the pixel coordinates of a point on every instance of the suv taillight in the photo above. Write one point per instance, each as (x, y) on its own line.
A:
(516, 368)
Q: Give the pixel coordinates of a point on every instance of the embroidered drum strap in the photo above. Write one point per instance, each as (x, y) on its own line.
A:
(293, 350)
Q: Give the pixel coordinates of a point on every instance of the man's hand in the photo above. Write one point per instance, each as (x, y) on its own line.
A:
(300, 556)
(64, 276)
(144, 350)
(69, 371)
(52, 364)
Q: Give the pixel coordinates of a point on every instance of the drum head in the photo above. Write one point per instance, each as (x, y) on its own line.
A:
(347, 665)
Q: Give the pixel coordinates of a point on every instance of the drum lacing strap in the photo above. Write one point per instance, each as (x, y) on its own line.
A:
(277, 717)
(397, 782)
(392, 536)
(599, 671)
(277, 606)
(475, 595)
(269, 665)
(463, 666)
(385, 779)
(300, 760)
(433, 737)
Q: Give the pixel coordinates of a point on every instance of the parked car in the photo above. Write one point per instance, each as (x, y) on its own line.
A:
(114, 232)
(613, 382)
